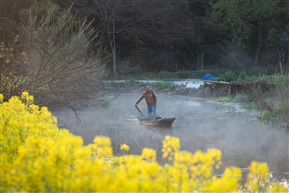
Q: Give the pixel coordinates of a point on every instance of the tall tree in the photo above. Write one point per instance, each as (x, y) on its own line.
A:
(137, 22)
(111, 18)
(228, 19)
(249, 23)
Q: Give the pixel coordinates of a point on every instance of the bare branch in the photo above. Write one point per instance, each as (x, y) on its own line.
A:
(58, 66)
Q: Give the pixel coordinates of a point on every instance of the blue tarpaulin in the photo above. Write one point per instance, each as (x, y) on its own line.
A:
(208, 76)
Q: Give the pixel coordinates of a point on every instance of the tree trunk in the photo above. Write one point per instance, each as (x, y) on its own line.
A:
(113, 49)
(258, 47)
(202, 60)
(280, 60)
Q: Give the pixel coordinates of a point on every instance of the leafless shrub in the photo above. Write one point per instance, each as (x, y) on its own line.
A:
(57, 65)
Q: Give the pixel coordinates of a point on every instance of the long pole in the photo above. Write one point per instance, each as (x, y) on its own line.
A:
(138, 110)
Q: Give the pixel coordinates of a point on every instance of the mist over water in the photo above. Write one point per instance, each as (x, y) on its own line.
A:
(199, 125)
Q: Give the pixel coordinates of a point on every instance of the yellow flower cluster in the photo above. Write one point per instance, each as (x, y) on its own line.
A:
(149, 154)
(170, 146)
(258, 178)
(102, 147)
(37, 156)
(124, 147)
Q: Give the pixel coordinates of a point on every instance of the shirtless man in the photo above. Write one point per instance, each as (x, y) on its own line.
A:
(151, 101)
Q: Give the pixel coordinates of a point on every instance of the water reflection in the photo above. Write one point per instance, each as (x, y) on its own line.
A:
(161, 131)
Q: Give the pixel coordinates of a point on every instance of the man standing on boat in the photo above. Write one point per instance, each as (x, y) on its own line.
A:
(151, 101)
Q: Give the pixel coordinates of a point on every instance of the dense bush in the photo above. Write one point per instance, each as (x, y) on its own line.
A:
(165, 75)
(228, 76)
(51, 57)
(37, 156)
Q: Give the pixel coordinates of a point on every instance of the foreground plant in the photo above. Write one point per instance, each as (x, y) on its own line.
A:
(37, 156)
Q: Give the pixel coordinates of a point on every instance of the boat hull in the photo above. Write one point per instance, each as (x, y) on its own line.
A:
(159, 122)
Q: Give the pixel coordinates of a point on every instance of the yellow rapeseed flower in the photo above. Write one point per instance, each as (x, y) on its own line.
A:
(102, 147)
(148, 154)
(170, 146)
(24, 95)
(277, 187)
(1, 97)
(30, 99)
(258, 176)
(124, 147)
(37, 156)
(216, 156)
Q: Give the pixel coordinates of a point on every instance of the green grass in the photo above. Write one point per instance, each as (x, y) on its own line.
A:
(243, 98)
(249, 106)
(224, 99)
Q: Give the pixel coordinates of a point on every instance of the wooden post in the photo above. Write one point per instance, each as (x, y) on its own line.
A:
(230, 89)
(281, 70)
(203, 92)
(202, 60)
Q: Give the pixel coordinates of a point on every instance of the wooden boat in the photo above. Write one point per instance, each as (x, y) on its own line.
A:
(159, 121)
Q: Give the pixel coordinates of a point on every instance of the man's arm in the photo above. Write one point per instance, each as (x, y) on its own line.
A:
(155, 98)
(139, 100)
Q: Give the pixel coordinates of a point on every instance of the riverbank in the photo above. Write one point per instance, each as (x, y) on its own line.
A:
(191, 87)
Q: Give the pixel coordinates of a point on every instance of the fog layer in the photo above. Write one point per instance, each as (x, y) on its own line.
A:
(199, 125)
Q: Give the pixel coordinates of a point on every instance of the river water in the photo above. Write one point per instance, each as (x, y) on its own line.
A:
(200, 124)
